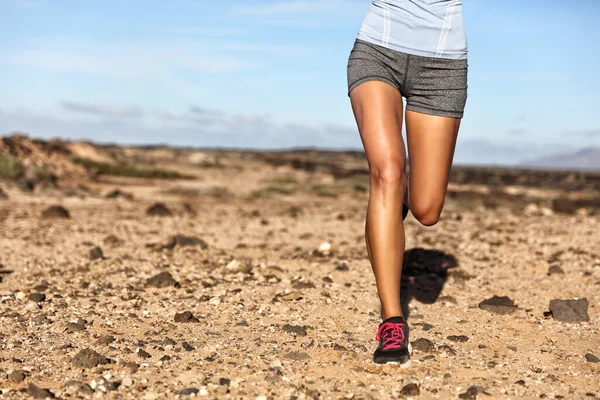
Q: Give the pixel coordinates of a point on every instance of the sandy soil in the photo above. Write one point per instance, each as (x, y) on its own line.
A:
(277, 318)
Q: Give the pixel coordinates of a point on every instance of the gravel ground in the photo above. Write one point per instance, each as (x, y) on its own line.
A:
(271, 296)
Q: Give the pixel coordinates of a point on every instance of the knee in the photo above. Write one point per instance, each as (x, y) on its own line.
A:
(426, 214)
(391, 173)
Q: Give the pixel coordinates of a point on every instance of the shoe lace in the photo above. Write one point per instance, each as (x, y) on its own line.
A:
(392, 334)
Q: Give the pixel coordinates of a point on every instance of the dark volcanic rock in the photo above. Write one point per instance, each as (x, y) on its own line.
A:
(592, 358)
(159, 209)
(55, 212)
(17, 376)
(412, 389)
(105, 340)
(88, 358)
(294, 329)
(37, 297)
(183, 241)
(96, 253)
(187, 347)
(39, 393)
(458, 338)
(424, 345)
(162, 280)
(143, 354)
(498, 305)
(470, 394)
(555, 269)
(185, 316)
(569, 310)
(187, 392)
(76, 326)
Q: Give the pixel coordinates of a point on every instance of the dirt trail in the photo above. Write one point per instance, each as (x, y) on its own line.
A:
(276, 318)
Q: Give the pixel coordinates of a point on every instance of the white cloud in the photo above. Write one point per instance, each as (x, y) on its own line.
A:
(112, 110)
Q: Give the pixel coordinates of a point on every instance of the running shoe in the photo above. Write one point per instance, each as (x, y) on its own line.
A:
(394, 346)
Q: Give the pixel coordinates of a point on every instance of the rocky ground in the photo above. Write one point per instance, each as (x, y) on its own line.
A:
(252, 281)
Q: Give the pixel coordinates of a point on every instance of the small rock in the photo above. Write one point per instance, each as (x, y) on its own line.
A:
(575, 310)
(96, 253)
(297, 356)
(3, 194)
(187, 347)
(458, 338)
(88, 358)
(424, 345)
(162, 280)
(185, 241)
(76, 326)
(185, 316)
(168, 341)
(412, 389)
(236, 266)
(339, 347)
(325, 249)
(555, 269)
(105, 340)
(39, 393)
(224, 381)
(17, 376)
(294, 329)
(470, 394)
(187, 392)
(37, 297)
(592, 358)
(498, 305)
(143, 354)
(342, 268)
(119, 194)
(159, 209)
(112, 240)
(447, 349)
(55, 212)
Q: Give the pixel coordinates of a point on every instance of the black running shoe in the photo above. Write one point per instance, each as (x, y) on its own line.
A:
(394, 346)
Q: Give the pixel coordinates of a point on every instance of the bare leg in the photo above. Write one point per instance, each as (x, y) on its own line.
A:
(378, 111)
(431, 143)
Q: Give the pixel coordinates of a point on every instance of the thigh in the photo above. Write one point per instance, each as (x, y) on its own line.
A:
(431, 143)
(378, 110)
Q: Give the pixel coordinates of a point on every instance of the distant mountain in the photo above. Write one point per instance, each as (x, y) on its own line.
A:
(587, 158)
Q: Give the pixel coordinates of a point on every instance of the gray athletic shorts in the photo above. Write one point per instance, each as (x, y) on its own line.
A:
(436, 86)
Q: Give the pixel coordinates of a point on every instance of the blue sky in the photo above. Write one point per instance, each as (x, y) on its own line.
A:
(272, 74)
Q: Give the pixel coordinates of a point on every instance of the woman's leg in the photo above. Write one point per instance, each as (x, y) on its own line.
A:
(431, 143)
(378, 110)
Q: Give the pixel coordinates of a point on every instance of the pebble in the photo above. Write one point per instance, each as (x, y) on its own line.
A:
(458, 338)
(592, 358)
(38, 392)
(294, 329)
(96, 254)
(36, 297)
(185, 316)
(412, 389)
(159, 209)
(88, 358)
(498, 305)
(162, 280)
(424, 345)
(55, 212)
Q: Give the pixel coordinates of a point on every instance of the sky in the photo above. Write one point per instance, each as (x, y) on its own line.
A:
(269, 74)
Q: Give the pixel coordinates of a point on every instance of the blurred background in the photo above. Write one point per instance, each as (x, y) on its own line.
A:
(272, 75)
